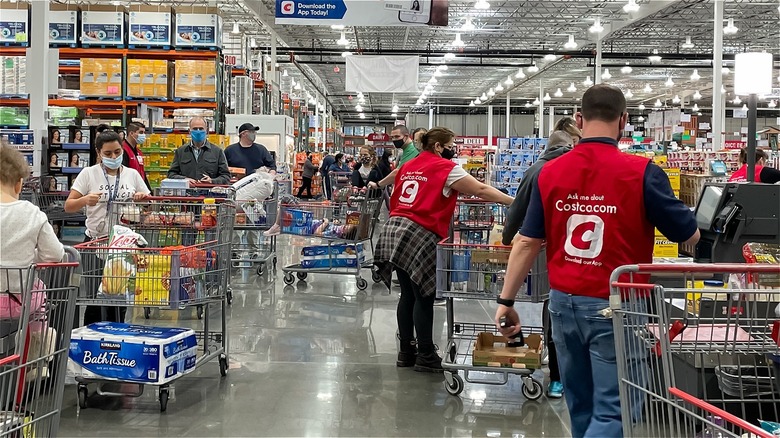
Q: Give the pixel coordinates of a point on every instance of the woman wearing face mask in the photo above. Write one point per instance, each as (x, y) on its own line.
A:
(423, 202)
(366, 170)
(97, 189)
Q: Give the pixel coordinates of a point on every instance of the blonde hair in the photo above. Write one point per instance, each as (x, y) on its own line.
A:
(371, 153)
(13, 165)
(569, 126)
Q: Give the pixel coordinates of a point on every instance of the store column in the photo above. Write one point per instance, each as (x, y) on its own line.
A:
(430, 116)
(598, 60)
(38, 55)
(508, 123)
(490, 124)
(541, 109)
(718, 107)
(552, 119)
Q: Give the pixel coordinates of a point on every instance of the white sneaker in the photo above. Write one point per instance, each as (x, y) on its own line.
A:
(275, 230)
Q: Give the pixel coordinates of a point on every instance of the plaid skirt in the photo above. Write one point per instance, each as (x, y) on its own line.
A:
(405, 245)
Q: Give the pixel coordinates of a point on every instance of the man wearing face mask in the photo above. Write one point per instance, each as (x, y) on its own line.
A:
(247, 154)
(132, 156)
(200, 161)
(401, 140)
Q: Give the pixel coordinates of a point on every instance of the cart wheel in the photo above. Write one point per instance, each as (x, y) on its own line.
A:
(289, 278)
(200, 312)
(362, 284)
(223, 365)
(375, 276)
(302, 276)
(83, 393)
(147, 312)
(535, 391)
(163, 399)
(456, 387)
(260, 270)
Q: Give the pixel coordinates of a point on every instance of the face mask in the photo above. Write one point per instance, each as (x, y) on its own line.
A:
(251, 136)
(399, 143)
(113, 163)
(366, 160)
(447, 154)
(198, 136)
(141, 138)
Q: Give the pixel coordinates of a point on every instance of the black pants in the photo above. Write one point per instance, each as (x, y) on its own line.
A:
(552, 355)
(93, 273)
(415, 312)
(305, 185)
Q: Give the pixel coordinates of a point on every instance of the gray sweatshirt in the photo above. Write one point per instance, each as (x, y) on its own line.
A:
(516, 213)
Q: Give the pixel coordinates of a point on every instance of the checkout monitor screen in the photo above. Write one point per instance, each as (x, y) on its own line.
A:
(707, 209)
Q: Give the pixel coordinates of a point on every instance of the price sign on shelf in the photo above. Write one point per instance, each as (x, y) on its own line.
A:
(230, 60)
(255, 76)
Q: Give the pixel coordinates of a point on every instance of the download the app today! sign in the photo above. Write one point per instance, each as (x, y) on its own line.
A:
(362, 12)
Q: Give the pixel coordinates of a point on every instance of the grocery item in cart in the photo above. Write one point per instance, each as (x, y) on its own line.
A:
(258, 186)
(119, 270)
(492, 351)
(332, 256)
(131, 353)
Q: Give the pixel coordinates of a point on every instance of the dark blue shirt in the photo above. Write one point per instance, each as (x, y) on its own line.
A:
(251, 158)
(667, 213)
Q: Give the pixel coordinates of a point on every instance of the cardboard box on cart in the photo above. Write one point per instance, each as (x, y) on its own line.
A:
(491, 350)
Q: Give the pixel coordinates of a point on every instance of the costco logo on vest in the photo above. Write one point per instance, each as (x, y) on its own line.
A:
(584, 236)
(409, 191)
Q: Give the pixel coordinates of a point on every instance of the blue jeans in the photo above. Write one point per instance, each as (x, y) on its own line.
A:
(585, 341)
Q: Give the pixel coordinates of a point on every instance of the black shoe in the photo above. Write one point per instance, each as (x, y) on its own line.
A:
(407, 357)
(428, 362)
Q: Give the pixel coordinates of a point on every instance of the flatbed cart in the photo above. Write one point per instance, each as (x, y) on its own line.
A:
(469, 266)
(680, 332)
(37, 308)
(185, 265)
(343, 228)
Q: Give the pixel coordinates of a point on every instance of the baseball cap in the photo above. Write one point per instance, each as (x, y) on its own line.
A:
(247, 127)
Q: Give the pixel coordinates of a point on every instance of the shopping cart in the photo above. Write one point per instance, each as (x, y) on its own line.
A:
(467, 267)
(341, 186)
(185, 265)
(50, 197)
(37, 307)
(695, 417)
(250, 247)
(712, 342)
(345, 229)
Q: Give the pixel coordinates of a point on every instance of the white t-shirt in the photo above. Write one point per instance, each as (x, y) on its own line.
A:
(456, 174)
(94, 180)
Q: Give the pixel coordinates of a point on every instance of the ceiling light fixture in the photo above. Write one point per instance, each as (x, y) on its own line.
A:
(528, 104)
(358, 108)
(458, 42)
(235, 28)
(537, 102)
(449, 56)
(669, 82)
(676, 99)
(687, 44)
(395, 109)
(629, 94)
(730, 29)
(648, 88)
(571, 44)
(345, 54)
(482, 5)
(641, 107)
(297, 86)
(695, 75)
(337, 26)
(596, 27)
(483, 97)
(438, 73)
(696, 95)
(631, 7)
(471, 104)
(744, 107)
(587, 82)
(572, 88)
(520, 74)
(725, 70)
(468, 25)
(499, 87)
(394, 115)
(343, 41)
(442, 67)
(606, 75)
(695, 108)
(284, 73)
(362, 116)
(509, 81)
(655, 57)
(550, 57)
(558, 93)
(433, 80)
(491, 92)
(772, 103)
(533, 68)
(547, 97)
(737, 100)
(253, 43)
(626, 70)
(658, 103)
(641, 118)
(478, 101)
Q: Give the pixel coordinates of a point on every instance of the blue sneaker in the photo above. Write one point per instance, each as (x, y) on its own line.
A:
(555, 390)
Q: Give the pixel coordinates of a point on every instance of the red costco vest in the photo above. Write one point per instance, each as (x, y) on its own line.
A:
(418, 193)
(741, 174)
(136, 159)
(594, 217)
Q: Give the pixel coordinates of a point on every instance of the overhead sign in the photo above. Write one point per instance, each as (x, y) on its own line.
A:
(382, 74)
(363, 13)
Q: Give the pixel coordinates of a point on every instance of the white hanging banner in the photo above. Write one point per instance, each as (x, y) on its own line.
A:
(382, 74)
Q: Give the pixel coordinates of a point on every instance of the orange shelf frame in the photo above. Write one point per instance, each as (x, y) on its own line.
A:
(94, 103)
(95, 52)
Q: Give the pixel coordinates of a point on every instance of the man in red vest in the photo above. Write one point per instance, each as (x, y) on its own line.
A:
(131, 154)
(596, 207)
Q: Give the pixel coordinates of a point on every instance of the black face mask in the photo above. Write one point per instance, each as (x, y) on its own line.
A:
(447, 154)
(399, 143)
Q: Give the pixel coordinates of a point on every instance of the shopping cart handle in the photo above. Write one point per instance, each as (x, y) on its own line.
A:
(10, 359)
(182, 199)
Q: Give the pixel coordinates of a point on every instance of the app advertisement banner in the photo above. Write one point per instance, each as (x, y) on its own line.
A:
(62, 27)
(150, 28)
(198, 30)
(363, 12)
(102, 28)
(13, 26)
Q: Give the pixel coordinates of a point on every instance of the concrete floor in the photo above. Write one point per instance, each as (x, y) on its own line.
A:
(313, 360)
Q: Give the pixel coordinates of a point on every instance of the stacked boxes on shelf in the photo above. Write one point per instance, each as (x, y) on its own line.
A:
(665, 248)
(514, 157)
(13, 116)
(13, 71)
(195, 80)
(147, 78)
(22, 140)
(101, 77)
(698, 162)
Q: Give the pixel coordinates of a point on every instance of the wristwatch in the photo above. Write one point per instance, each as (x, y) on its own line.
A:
(505, 302)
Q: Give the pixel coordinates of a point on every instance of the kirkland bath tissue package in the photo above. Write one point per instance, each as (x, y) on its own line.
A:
(131, 353)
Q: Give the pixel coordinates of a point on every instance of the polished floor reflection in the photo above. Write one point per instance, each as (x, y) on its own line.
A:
(315, 359)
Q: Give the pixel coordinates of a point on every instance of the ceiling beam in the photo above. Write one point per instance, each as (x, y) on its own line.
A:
(645, 11)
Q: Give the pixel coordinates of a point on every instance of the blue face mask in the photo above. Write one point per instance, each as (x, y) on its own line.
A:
(113, 163)
(141, 138)
(198, 136)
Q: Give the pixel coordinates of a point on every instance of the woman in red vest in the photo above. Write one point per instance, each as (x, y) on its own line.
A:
(763, 174)
(421, 209)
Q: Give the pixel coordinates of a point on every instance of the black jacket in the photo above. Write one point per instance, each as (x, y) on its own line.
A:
(211, 162)
(516, 213)
(375, 175)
